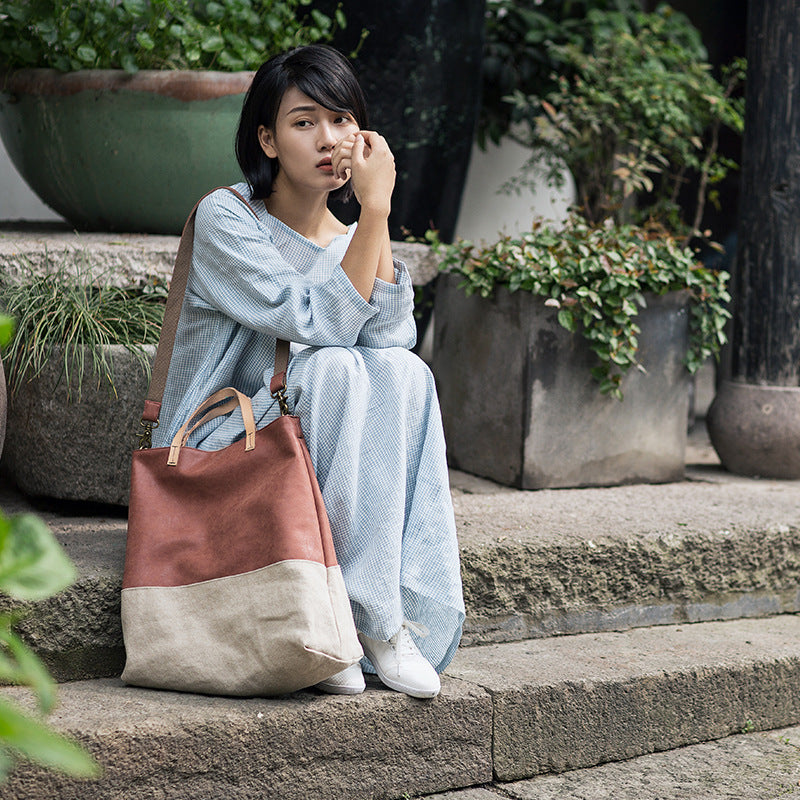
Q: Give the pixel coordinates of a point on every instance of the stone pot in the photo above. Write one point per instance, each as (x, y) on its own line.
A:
(119, 152)
(61, 447)
(520, 407)
(756, 429)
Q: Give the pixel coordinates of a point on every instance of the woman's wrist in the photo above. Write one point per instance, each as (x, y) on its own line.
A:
(375, 209)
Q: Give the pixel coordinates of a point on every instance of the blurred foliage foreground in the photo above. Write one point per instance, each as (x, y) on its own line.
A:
(33, 566)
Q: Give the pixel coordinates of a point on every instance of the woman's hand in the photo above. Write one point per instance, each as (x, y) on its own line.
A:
(366, 158)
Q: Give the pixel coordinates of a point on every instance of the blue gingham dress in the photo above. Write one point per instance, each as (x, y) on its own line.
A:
(367, 405)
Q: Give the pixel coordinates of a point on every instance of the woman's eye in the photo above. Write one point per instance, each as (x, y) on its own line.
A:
(303, 123)
(343, 120)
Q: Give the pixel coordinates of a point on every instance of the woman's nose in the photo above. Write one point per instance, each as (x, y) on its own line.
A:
(327, 136)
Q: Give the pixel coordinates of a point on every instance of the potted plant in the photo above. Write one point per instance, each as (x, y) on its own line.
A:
(636, 120)
(538, 338)
(524, 400)
(120, 115)
(78, 369)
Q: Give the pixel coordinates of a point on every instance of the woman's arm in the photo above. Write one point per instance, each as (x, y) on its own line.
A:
(238, 270)
(386, 262)
(393, 325)
(371, 165)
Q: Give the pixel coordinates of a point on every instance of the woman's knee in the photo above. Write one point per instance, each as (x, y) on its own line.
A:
(340, 369)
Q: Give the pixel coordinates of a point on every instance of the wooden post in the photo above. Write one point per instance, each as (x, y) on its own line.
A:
(766, 341)
(755, 420)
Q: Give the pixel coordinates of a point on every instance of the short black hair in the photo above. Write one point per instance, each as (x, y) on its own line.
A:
(317, 70)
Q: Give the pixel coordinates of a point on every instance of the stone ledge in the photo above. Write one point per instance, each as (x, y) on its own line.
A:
(134, 258)
(507, 712)
(534, 564)
(756, 766)
(578, 701)
(380, 744)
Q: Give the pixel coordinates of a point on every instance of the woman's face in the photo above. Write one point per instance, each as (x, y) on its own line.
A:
(304, 135)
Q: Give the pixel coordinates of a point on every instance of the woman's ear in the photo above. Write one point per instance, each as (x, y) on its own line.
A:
(266, 140)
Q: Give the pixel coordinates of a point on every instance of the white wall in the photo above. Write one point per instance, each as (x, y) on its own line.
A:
(17, 201)
(486, 212)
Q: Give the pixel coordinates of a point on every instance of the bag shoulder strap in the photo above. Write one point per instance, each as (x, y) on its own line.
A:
(169, 327)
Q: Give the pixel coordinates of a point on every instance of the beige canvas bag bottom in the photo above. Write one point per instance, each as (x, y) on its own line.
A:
(196, 638)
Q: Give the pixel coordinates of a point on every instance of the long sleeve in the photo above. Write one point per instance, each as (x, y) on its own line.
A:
(238, 270)
(393, 325)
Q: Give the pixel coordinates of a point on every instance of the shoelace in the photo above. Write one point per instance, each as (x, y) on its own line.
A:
(404, 644)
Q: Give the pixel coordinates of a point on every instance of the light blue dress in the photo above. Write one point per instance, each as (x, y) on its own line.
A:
(367, 405)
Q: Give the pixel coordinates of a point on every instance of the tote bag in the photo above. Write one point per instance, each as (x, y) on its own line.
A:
(231, 584)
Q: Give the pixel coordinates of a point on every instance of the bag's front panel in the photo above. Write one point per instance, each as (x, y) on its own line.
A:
(223, 512)
(267, 632)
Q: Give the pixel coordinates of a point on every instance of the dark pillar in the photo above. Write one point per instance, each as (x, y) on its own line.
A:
(755, 419)
(420, 68)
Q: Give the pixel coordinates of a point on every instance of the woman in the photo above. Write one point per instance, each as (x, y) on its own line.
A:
(367, 406)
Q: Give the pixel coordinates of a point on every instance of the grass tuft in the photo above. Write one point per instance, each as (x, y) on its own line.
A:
(73, 316)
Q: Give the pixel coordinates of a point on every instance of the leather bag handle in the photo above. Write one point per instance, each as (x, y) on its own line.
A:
(169, 327)
(242, 400)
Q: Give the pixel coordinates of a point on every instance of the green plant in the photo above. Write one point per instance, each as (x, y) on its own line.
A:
(517, 56)
(638, 118)
(225, 35)
(33, 566)
(596, 277)
(74, 315)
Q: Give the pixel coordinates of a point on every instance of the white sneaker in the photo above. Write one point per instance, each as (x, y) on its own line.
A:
(400, 665)
(348, 681)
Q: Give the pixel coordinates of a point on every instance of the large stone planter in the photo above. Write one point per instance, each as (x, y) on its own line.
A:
(119, 152)
(76, 450)
(519, 405)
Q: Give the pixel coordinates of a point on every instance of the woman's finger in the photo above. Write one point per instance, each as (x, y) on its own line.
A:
(341, 159)
(375, 141)
(342, 167)
(359, 146)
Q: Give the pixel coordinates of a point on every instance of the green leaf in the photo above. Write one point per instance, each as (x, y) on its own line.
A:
(35, 741)
(128, 63)
(566, 320)
(136, 8)
(145, 41)
(33, 564)
(87, 54)
(215, 11)
(6, 329)
(30, 671)
(212, 42)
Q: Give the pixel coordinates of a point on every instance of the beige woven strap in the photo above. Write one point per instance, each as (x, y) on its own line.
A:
(172, 313)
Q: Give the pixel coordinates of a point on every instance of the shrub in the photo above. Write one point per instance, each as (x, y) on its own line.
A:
(596, 277)
(226, 35)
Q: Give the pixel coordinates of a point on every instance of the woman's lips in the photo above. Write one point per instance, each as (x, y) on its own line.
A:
(325, 165)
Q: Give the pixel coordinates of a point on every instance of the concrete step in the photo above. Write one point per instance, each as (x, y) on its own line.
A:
(130, 259)
(534, 564)
(756, 766)
(507, 713)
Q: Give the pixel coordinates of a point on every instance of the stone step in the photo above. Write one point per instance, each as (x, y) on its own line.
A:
(507, 712)
(756, 766)
(534, 564)
(128, 259)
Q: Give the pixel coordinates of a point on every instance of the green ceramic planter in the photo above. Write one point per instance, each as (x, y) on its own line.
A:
(117, 152)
